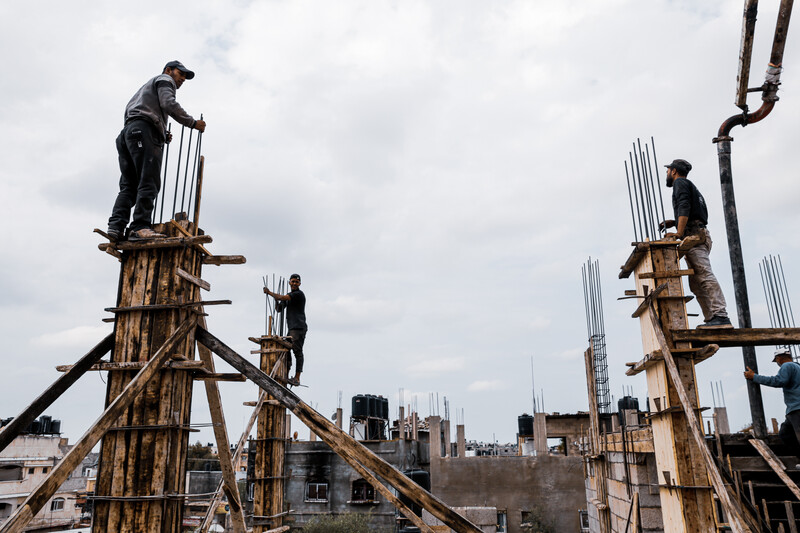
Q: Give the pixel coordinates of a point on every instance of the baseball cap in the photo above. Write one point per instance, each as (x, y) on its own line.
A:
(781, 352)
(178, 65)
(295, 276)
(681, 165)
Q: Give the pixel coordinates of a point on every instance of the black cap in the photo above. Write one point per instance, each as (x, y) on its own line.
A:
(178, 65)
(295, 276)
(783, 352)
(681, 165)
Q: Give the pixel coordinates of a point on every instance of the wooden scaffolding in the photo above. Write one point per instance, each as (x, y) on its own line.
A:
(159, 327)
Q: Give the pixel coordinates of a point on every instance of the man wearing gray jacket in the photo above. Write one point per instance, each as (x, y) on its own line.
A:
(140, 145)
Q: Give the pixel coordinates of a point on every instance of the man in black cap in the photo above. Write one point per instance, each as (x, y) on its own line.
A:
(295, 305)
(691, 217)
(788, 379)
(140, 144)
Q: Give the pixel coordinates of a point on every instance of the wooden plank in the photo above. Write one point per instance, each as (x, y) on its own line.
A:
(53, 392)
(776, 465)
(150, 244)
(343, 444)
(734, 512)
(193, 279)
(230, 376)
(648, 300)
(790, 517)
(221, 436)
(739, 337)
(187, 233)
(666, 274)
(39, 497)
(164, 307)
(224, 260)
(135, 365)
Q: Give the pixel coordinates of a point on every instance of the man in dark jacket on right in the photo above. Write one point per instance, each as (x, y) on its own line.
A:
(295, 304)
(691, 217)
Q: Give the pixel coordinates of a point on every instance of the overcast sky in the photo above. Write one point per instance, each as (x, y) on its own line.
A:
(437, 172)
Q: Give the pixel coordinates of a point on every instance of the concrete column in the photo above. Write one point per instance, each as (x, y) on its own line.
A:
(447, 446)
(461, 441)
(414, 426)
(401, 423)
(339, 415)
(721, 420)
(540, 433)
(435, 428)
(312, 436)
(288, 425)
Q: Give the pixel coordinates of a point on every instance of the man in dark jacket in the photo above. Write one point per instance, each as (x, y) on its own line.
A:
(140, 145)
(788, 379)
(691, 217)
(295, 304)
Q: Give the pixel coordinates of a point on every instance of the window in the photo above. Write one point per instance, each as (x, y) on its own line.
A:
(362, 492)
(502, 525)
(317, 491)
(5, 510)
(10, 473)
(44, 470)
(31, 471)
(557, 445)
(57, 504)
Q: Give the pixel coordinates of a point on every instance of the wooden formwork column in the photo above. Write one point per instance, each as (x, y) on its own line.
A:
(685, 489)
(270, 441)
(141, 476)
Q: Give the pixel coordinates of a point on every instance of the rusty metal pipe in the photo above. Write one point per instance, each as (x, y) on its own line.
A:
(723, 140)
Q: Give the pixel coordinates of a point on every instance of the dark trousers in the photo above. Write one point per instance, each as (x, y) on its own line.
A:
(139, 146)
(790, 432)
(298, 339)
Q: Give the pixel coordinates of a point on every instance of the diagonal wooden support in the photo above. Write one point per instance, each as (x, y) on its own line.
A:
(734, 512)
(776, 465)
(340, 442)
(39, 497)
(236, 456)
(46, 399)
(221, 435)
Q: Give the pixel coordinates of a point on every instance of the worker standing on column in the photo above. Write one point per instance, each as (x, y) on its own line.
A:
(788, 379)
(295, 304)
(691, 218)
(140, 145)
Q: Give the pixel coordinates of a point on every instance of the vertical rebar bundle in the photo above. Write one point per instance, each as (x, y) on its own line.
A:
(597, 335)
(275, 318)
(777, 295)
(644, 191)
(189, 154)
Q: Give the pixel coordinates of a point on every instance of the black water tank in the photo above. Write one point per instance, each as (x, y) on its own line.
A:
(35, 427)
(421, 478)
(55, 427)
(372, 400)
(384, 408)
(45, 421)
(525, 424)
(360, 406)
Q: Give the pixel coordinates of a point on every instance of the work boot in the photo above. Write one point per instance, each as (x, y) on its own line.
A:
(717, 322)
(143, 234)
(114, 234)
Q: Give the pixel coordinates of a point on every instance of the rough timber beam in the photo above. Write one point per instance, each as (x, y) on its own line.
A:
(340, 442)
(46, 399)
(39, 497)
(733, 511)
(739, 337)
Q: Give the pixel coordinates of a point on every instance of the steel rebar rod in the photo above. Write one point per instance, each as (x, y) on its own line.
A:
(643, 177)
(636, 197)
(186, 172)
(178, 174)
(630, 199)
(655, 161)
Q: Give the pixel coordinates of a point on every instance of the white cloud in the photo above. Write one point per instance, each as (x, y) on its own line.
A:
(78, 337)
(485, 385)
